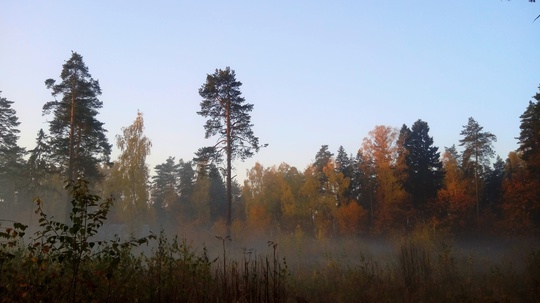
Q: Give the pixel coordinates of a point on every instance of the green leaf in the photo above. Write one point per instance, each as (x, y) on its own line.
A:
(20, 226)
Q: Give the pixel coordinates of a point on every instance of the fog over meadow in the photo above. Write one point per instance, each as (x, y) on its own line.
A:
(283, 152)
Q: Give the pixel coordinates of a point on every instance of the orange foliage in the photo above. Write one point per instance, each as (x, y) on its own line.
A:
(521, 197)
(520, 205)
(350, 218)
(258, 218)
(454, 208)
(455, 202)
(390, 199)
(380, 146)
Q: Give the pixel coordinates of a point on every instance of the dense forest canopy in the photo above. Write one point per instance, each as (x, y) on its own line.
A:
(396, 181)
(379, 118)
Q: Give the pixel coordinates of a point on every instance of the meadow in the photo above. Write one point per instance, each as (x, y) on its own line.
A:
(412, 268)
(61, 262)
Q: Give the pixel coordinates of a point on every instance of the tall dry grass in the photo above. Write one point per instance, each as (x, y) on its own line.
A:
(417, 267)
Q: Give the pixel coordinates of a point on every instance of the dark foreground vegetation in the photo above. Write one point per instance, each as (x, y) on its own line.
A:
(65, 263)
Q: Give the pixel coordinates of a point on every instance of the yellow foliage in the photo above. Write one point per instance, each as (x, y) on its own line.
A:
(455, 201)
(258, 218)
(351, 218)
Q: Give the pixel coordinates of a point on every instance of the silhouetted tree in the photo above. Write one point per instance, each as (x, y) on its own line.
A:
(344, 165)
(77, 139)
(363, 183)
(424, 174)
(343, 162)
(208, 188)
(165, 183)
(186, 181)
(493, 185)
(322, 158)
(11, 154)
(478, 150)
(229, 119)
(401, 170)
(529, 137)
(529, 147)
(38, 162)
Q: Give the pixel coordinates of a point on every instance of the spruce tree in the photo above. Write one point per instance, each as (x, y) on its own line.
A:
(164, 190)
(424, 174)
(344, 165)
(322, 158)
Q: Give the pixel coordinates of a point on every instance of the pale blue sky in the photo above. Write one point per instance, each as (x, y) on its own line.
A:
(318, 72)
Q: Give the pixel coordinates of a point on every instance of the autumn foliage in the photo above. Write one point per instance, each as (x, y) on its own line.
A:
(351, 219)
(380, 190)
(396, 180)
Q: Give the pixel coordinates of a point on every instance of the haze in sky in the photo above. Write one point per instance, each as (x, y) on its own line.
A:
(318, 72)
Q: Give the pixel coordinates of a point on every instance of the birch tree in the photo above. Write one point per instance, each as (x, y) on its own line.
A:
(130, 174)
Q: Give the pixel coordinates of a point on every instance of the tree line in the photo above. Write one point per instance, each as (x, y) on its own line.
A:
(398, 180)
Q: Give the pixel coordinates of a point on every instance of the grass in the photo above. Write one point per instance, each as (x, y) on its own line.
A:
(174, 271)
(422, 270)
(63, 263)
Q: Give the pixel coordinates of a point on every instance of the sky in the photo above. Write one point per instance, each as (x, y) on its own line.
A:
(317, 72)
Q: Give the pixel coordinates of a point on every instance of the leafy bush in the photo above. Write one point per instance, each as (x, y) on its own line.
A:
(62, 261)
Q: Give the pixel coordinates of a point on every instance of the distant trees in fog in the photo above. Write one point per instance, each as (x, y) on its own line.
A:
(396, 181)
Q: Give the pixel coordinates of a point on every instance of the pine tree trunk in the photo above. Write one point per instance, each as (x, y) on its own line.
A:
(71, 168)
(229, 167)
(71, 135)
(476, 188)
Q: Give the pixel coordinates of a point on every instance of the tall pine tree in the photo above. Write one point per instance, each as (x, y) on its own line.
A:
(77, 139)
(229, 119)
(11, 155)
(529, 137)
(529, 146)
(478, 150)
